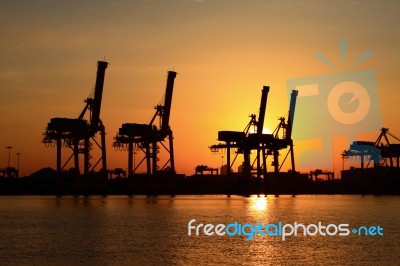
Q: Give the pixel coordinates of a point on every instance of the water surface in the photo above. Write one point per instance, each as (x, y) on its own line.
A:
(120, 230)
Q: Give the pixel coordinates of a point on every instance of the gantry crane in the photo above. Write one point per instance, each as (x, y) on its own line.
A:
(76, 133)
(264, 144)
(244, 141)
(390, 152)
(146, 137)
(383, 152)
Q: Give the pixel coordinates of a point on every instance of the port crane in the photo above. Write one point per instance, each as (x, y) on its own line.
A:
(146, 137)
(264, 144)
(77, 133)
(383, 151)
(244, 141)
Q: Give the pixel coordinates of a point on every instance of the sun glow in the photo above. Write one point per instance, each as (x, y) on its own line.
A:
(259, 204)
(266, 131)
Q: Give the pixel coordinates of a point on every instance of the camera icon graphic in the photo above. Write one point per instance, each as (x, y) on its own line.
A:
(340, 104)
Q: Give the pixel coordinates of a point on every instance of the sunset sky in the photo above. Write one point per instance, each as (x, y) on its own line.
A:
(224, 52)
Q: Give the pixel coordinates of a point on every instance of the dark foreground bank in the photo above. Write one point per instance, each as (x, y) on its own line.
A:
(174, 184)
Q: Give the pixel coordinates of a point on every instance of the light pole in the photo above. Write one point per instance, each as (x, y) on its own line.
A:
(9, 154)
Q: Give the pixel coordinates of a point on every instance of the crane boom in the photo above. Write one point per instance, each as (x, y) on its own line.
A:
(292, 107)
(98, 93)
(168, 101)
(263, 105)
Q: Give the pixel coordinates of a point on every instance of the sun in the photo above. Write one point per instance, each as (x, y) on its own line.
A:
(266, 131)
(258, 205)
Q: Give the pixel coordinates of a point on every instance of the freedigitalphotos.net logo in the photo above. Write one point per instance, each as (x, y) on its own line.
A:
(341, 104)
(249, 231)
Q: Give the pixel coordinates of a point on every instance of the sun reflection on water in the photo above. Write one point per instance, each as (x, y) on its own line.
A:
(258, 205)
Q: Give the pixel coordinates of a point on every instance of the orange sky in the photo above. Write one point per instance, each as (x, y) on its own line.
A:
(224, 52)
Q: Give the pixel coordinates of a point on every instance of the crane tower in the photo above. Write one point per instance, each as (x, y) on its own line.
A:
(146, 137)
(79, 134)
